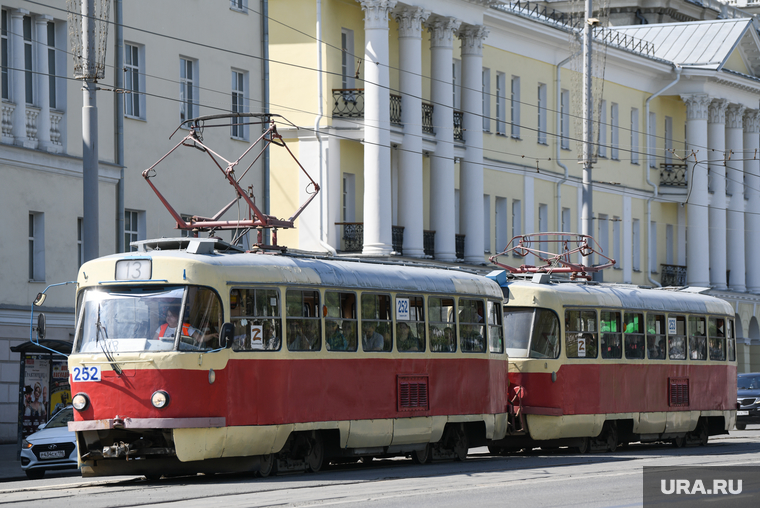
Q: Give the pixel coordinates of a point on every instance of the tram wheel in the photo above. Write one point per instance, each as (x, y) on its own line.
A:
(741, 426)
(612, 438)
(268, 465)
(584, 447)
(679, 442)
(316, 455)
(424, 456)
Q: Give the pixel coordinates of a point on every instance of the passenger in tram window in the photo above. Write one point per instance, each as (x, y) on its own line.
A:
(371, 340)
(167, 330)
(656, 346)
(716, 349)
(271, 339)
(405, 341)
(303, 335)
(449, 342)
(336, 341)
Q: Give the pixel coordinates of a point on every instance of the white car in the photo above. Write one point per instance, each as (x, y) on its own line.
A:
(52, 447)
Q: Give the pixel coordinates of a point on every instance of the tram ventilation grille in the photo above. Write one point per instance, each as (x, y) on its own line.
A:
(678, 391)
(413, 393)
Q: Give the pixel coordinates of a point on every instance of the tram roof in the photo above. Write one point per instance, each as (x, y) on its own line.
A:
(625, 296)
(306, 270)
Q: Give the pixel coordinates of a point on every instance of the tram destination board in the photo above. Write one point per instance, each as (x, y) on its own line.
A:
(718, 486)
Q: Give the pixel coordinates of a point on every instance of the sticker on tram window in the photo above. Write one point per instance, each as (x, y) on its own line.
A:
(581, 346)
(257, 334)
(133, 269)
(402, 309)
(84, 373)
(672, 326)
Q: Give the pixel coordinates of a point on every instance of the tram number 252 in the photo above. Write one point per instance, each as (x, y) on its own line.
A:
(86, 373)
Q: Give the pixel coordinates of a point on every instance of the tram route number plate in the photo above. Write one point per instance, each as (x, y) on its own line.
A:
(402, 309)
(742, 413)
(56, 454)
(133, 269)
(86, 373)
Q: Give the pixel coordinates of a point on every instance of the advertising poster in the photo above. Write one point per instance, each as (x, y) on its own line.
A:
(36, 401)
(60, 391)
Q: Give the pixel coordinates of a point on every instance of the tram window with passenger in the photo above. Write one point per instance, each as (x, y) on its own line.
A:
(731, 340)
(255, 316)
(303, 320)
(656, 336)
(472, 325)
(612, 345)
(377, 325)
(581, 334)
(495, 330)
(697, 338)
(442, 327)
(677, 340)
(340, 321)
(410, 311)
(633, 338)
(716, 331)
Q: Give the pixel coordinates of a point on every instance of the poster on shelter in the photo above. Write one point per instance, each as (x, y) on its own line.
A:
(60, 391)
(36, 382)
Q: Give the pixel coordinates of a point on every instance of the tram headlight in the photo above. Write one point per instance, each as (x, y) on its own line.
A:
(80, 401)
(159, 399)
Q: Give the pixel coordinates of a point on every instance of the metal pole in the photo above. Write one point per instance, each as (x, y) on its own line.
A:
(265, 49)
(587, 212)
(90, 237)
(119, 79)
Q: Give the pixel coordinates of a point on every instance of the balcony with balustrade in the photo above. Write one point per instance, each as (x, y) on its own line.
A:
(673, 176)
(31, 127)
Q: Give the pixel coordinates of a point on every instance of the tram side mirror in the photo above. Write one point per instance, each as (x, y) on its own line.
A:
(226, 336)
(40, 299)
(41, 326)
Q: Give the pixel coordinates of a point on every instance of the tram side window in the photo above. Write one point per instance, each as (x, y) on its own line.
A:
(634, 336)
(518, 323)
(697, 338)
(581, 334)
(495, 330)
(410, 311)
(731, 341)
(203, 312)
(442, 328)
(677, 341)
(377, 326)
(717, 334)
(611, 336)
(472, 325)
(546, 331)
(255, 315)
(656, 343)
(340, 322)
(303, 320)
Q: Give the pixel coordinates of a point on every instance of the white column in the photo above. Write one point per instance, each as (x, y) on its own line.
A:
(697, 254)
(18, 85)
(734, 246)
(410, 202)
(471, 174)
(377, 125)
(716, 137)
(442, 174)
(752, 190)
(43, 81)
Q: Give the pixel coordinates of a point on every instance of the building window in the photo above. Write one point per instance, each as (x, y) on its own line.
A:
(669, 247)
(486, 223)
(239, 80)
(349, 203)
(239, 5)
(347, 58)
(541, 114)
(668, 140)
(566, 224)
(652, 152)
(604, 236)
(602, 149)
(5, 55)
(636, 245)
(188, 89)
(653, 247)
(614, 155)
(515, 107)
(36, 246)
(543, 225)
(564, 124)
(486, 99)
(516, 218)
(501, 101)
(28, 69)
(133, 80)
(51, 64)
(80, 243)
(501, 224)
(456, 79)
(616, 242)
(131, 229)
(634, 136)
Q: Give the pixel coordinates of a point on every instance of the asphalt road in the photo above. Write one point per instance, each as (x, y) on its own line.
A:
(534, 479)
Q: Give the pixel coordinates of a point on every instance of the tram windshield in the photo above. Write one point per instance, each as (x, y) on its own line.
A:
(135, 319)
(531, 333)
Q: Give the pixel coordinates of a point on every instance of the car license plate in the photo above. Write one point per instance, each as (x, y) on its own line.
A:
(56, 454)
(742, 413)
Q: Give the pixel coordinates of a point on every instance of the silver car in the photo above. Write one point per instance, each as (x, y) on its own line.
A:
(52, 447)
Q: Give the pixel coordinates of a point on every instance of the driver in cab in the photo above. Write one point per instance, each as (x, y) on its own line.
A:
(169, 329)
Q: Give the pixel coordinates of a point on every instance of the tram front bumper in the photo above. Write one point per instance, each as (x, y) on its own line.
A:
(147, 423)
